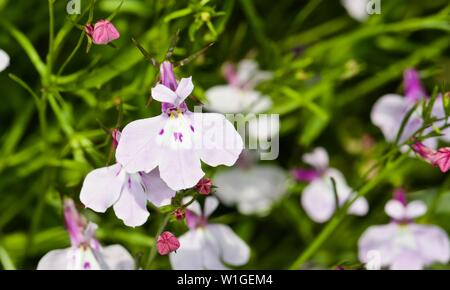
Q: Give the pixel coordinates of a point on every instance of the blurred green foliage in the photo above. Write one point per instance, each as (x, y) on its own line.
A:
(329, 70)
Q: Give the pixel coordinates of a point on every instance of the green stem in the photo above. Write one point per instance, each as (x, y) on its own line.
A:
(339, 217)
(72, 54)
(152, 253)
(51, 38)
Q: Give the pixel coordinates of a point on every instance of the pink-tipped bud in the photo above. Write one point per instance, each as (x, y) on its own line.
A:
(179, 214)
(204, 186)
(103, 32)
(400, 195)
(116, 137)
(442, 159)
(167, 243)
(413, 87)
(423, 151)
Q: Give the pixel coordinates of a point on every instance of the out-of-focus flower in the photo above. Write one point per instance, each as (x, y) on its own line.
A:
(318, 198)
(128, 193)
(4, 60)
(204, 186)
(402, 244)
(357, 9)
(439, 158)
(103, 32)
(253, 189)
(390, 110)
(178, 139)
(208, 246)
(167, 243)
(240, 96)
(86, 253)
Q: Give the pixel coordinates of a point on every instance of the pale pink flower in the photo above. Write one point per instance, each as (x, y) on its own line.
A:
(402, 244)
(390, 110)
(178, 139)
(318, 198)
(208, 246)
(103, 32)
(167, 243)
(86, 253)
(128, 193)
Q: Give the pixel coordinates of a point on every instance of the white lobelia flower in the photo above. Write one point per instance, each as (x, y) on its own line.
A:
(208, 246)
(128, 193)
(86, 253)
(4, 60)
(253, 189)
(240, 96)
(178, 139)
(402, 244)
(318, 198)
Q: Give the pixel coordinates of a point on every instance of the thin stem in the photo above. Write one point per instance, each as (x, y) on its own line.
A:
(51, 38)
(72, 54)
(152, 253)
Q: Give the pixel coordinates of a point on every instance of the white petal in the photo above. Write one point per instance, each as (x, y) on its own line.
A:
(189, 255)
(184, 89)
(211, 203)
(415, 209)
(395, 209)
(407, 260)
(158, 192)
(55, 260)
(432, 242)
(4, 60)
(246, 70)
(132, 204)
(378, 240)
(225, 99)
(194, 207)
(388, 113)
(317, 158)
(217, 141)
(356, 9)
(117, 257)
(137, 149)
(360, 207)
(180, 169)
(318, 201)
(162, 93)
(101, 187)
(264, 127)
(233, 249)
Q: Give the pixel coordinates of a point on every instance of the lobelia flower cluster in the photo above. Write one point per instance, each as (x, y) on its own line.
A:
(403, 244)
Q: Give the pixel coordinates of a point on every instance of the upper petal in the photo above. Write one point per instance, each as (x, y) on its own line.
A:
(225, 99)
(184, 89)
(117, 257)
(233, 249)
(318, 158)
(161, 93)
(415, 209)
(356, 8)
(217, 141)
(101, 187)
(211, 203)
(158, 192)
(137, 149)
(132, 204)
(395, 209)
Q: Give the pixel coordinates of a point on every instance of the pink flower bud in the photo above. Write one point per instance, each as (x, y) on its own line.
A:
(103, 32)
(442, 159)
(179, 214)
(204, 186)
(167, 243)
(424, 152)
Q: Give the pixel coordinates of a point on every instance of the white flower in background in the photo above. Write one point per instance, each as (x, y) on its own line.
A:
(389, 111)
(240, 96)
(402, 244)
(208, 246)
(4, 60)
(253, 189)
(318, 198)
(86, 253)
(357, 9)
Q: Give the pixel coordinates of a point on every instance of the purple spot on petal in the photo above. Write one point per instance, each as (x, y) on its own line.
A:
(161, 132)
(129, 182)
(192, 128)
(87, 266)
